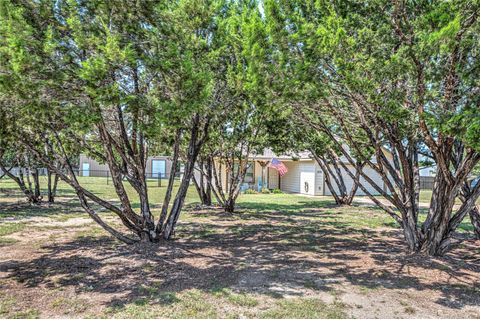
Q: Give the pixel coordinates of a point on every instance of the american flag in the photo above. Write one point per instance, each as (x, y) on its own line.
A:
(279, 166)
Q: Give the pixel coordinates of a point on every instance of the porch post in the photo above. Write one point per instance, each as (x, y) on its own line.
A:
(263, 164)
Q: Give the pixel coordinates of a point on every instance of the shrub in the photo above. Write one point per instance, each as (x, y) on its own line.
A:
(277, 191)
(265, 191)
(251, 191)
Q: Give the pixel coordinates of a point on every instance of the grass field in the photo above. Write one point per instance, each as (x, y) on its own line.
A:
(103, 186)
(279, 256)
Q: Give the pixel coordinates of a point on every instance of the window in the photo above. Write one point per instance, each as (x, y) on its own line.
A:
(249, 178)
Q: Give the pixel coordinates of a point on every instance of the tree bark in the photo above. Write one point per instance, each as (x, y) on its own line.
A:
(475, 219)
(208, 182)
(203, 184)
(192, 154)
(474, 213)
(198, 136)
(50, 196)
(341, 195)
(229, 206)
(171, 180)
(440, 224)
(21, 184)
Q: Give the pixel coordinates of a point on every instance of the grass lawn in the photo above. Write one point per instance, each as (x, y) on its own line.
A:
(278, 256)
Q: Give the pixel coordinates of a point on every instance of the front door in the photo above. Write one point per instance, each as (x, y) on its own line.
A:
(158, 168)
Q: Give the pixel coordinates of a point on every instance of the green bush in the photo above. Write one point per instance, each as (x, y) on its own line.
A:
(251, 191)
(265, 191)
(277, 191)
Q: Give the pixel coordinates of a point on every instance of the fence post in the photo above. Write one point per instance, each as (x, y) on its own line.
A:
(108, 175)
(159, 177)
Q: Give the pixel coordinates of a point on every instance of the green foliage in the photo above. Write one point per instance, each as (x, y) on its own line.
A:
(265, 191)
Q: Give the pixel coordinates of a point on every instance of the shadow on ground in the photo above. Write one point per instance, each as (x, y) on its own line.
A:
(22, 209)
(265, 252)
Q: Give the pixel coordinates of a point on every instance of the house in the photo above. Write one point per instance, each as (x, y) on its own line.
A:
(304, 175)
(157, 167)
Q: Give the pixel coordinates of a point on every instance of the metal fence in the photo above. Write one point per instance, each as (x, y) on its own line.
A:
(153, 179)
(426, 182)
(104, 176)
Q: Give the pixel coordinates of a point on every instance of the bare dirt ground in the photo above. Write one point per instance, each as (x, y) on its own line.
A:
(71, 269)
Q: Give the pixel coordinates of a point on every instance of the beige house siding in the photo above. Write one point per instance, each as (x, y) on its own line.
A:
(271, 175)
(257, 173)
(301, 173)
(220, 168)
(304, 176)
(95, 169)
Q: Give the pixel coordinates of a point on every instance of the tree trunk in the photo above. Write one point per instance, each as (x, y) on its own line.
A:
(475, 219)
(410, 230)
(198, 188)
(236, 179)
(36, 183)
(180, 197)
(149, 233)
(208, 182)
(194, 147)
(436, 227)
(19, 180)
(229, 206)
(171, 180)
(50, 196)
(474, 213)
(340, 194)
(54, 188)
(203, 184)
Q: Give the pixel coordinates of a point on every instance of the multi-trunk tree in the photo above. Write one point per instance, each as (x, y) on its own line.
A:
(334, 168)
(302, 137)
(21, 168)
(239, 131)
(107, 79)
(401, 74)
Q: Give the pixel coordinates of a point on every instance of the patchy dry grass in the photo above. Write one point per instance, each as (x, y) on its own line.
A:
(300, 308)
(9, 309)
(10, 228)
(279, 256)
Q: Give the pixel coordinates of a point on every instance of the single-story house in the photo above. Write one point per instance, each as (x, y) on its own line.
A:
(157, 166)
(304, 175)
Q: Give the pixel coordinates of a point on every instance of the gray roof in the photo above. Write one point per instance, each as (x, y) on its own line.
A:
(268, 154)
